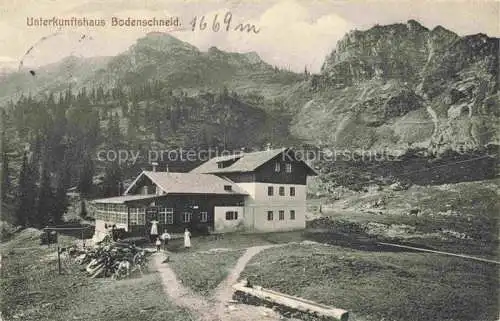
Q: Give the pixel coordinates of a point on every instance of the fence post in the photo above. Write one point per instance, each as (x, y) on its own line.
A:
(58, 259)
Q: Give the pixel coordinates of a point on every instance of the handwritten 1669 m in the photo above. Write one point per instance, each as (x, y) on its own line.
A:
(200, 23)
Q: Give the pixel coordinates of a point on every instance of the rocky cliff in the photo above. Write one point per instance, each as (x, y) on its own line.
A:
(404, 85)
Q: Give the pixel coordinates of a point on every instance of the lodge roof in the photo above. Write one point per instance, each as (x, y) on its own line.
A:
(123, 199)
(190, 183)
(244, 162)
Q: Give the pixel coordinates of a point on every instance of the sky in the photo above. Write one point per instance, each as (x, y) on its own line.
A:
(292, 33)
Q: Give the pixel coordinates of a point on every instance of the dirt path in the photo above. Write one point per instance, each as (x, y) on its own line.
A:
(180, 295)
(218, 308)
(224, 291)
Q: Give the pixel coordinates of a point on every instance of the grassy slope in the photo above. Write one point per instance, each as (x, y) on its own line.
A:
(32, 290)
(394, 286)
(235, 241)
(202, 269)
(202, 272)
(471, 208)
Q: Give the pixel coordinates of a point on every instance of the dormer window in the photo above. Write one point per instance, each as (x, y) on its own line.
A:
(288, 168)
(227, 162)
(277, 167)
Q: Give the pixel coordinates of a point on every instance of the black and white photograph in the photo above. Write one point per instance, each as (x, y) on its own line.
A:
(246, 160)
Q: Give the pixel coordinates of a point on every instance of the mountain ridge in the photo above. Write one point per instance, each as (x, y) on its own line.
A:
(404, 85)
(395, 86)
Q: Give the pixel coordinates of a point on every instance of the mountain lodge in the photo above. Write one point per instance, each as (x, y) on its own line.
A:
(254, 192)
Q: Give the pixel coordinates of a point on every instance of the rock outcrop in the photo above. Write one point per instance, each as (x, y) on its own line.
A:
(403, 85)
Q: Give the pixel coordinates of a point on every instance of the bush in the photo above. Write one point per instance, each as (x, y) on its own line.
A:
(6, 231)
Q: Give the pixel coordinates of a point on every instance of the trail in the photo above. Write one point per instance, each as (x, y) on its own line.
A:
(219, 307)
(180, 295)
(224, 291)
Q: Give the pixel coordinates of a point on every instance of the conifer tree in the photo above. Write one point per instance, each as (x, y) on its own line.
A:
(5, 173)
(6, 184)
(26, 195)
(85, 186)
(112, 181)
(114, 132)
(61, 203)
(45, 199)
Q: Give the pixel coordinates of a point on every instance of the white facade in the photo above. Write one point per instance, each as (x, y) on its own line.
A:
(228, 218)
(288, 208)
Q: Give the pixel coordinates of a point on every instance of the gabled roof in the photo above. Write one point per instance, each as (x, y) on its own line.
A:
(189, 183)
(124, 199)
(245, 162)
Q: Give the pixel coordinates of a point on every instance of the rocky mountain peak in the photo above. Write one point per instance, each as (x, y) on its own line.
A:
(415, 26)
(403, 84)
(162, 41)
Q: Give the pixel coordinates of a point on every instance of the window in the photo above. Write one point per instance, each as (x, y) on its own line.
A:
(141, 216)
(228, 188)
(282, 191)
(231, 215)
(133, 216)
(162, 215)
(277, 167)
(292, 214)
(292, 191)
(98, 214)
(269, 215)
(166, 215)
(220, 165)
(203, 216)
(288, 168)
(170, 216)
(186, 217)
(281, 215)
(270, 191)
(137, 216)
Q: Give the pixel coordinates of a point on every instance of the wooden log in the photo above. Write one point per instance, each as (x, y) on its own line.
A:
(293, 303)
(98, 271)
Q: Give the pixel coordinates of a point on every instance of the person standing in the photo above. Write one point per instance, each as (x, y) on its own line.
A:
(158, 244)
(187, 239)
(165, 237)
(154, 231)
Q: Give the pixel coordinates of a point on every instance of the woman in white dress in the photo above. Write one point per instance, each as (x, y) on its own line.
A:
(187, 238)
(154, 231)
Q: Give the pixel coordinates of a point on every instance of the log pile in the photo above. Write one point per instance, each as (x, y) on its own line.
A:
(110, 259)
(287, 305)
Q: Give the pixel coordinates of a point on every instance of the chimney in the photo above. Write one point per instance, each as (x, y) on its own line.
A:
(268, 146)
(154, 164)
